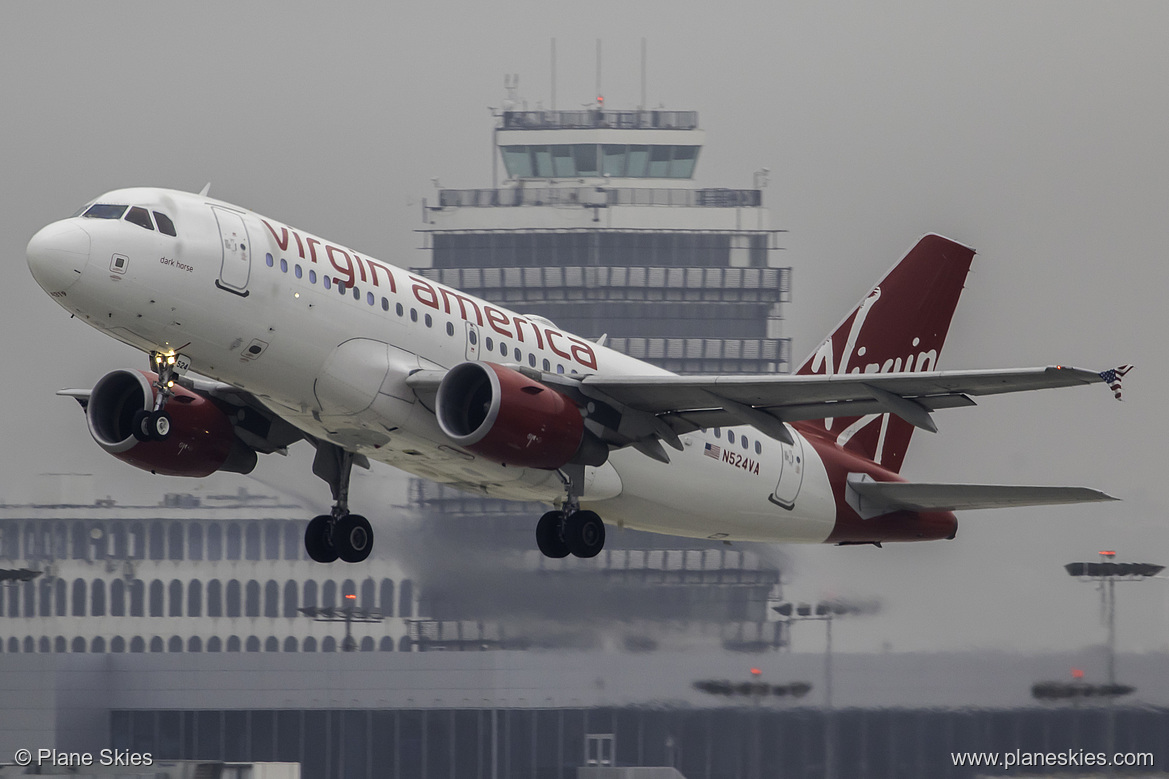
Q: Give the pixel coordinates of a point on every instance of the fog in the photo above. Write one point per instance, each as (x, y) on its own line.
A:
(1033, 132)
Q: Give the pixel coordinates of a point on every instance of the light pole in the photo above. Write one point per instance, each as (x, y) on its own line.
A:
(1106, 574)
(349, 613)
(826, 612)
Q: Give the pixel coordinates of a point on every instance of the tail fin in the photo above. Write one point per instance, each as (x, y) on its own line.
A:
(899, 326)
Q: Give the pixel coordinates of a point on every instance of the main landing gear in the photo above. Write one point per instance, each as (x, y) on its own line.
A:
(338, 534)
(572, 530)
(155, 425)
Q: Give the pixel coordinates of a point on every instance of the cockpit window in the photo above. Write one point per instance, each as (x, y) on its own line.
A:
(105, 211)
(141, 217)
(165, 225)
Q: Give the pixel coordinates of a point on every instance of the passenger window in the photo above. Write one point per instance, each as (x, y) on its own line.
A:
(165, 225)
(731, 436)
(718, 433)
(450, 328)
(103, 211)
(547, 366)
(758, 448)
(744, 442)
(490, 344)
(532, 360)
(141, 217)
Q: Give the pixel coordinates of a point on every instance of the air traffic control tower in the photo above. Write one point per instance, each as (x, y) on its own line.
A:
(599, 226)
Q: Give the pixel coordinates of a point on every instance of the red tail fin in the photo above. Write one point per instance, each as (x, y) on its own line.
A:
(899, 326)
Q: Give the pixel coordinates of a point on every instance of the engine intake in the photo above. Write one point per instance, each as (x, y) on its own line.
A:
(502, 415)
(201, 441)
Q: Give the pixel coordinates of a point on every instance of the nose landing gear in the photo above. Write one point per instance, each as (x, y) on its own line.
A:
(155, 425)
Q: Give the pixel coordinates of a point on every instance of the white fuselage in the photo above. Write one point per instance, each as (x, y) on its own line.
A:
(258, 305)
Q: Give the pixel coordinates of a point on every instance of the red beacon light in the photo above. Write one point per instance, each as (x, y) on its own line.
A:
(1077, 673)
(1107, 554)
(350, 597)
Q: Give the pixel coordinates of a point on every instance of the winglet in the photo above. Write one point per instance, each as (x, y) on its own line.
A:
(1113, 377)
(206, 188)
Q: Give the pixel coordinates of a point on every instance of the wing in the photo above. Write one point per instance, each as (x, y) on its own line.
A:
(645, 410)
(687, 403)
(874, 498)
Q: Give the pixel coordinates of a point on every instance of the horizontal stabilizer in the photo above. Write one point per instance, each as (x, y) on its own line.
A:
(874, 498)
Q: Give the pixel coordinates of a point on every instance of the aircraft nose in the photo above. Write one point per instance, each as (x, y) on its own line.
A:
(57, 255)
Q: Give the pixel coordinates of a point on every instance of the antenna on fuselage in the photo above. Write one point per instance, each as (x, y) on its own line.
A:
(206, 188)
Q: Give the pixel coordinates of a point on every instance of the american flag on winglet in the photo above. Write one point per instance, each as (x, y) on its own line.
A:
(713, 451)
(1112, 378)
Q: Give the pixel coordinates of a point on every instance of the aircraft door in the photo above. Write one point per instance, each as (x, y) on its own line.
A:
(237, 265)
(791, 474)
(473, 344)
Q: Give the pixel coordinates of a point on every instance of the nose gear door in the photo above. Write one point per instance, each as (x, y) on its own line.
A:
(237, 264)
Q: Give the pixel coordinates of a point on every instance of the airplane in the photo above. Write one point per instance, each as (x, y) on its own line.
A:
(260, 335)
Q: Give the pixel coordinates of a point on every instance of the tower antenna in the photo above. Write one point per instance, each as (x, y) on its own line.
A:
(643, 103)
(600, 99)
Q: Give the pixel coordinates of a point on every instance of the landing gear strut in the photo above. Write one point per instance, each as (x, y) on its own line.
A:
(574, 531)
(155, 425)
(338, 534)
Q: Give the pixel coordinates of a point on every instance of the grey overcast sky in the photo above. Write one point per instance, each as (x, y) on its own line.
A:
(1033, 131)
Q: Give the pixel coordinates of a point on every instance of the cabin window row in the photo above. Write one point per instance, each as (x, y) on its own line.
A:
(427, 319)
(742, 439)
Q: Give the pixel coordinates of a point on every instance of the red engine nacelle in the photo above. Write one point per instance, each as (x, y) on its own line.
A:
(201, 440)
(501, 414)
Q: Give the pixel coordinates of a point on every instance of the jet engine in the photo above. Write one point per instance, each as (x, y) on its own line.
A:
(506, 417)
(201, 441)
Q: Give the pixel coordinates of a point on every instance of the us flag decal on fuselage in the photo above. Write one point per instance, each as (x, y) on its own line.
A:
(713, 451)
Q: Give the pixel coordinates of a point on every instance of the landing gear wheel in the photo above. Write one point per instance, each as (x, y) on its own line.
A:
(140, 425)
(317, 540)
(584, 534)
(159, 424)
(150, 425)
(353, 538)
(548, 535)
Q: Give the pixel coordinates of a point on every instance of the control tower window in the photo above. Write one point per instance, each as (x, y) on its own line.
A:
(659, 162)
(585, 157)
(614, 159)
(682, 166)
(105, 211)
(543, 161)
(165, 225)
(562, 162)
(141, 217)
(638, 159)
(517, 161)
